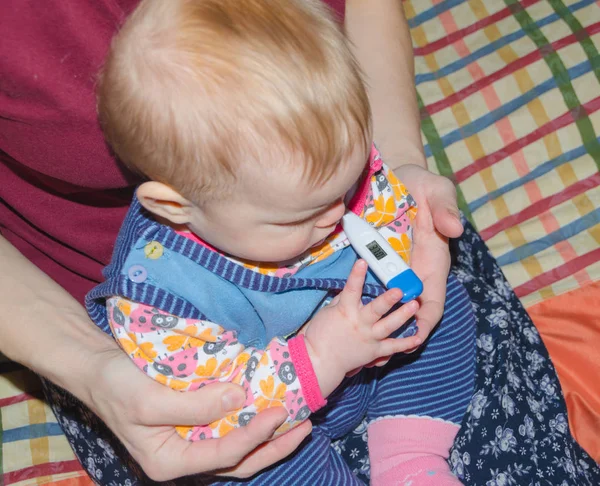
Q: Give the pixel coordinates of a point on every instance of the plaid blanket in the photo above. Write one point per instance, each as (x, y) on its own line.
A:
(510, 102)
(34, 450)
(509, 99)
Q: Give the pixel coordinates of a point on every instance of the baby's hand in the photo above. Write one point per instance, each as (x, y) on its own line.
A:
(347, 335)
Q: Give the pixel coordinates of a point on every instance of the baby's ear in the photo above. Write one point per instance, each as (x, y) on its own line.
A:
(163, 201)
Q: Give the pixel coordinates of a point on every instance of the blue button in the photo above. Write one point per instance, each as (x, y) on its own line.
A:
(137, 274)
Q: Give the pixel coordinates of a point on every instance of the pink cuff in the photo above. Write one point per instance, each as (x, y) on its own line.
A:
(306, 373)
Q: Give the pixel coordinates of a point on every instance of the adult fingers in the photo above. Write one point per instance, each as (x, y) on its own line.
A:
(355, 371)
(379, 362)
(432, 305)
(392, 346)
(427, 318)
(176, 457)
(434, 278)
(444, 209)
(386, 326)
(270, 452)
(163, 406)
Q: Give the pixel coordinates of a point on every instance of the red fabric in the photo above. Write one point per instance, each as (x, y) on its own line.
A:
(338, 6)
(62, 194)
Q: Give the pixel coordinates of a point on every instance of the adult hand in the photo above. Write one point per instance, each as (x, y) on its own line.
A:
(437, 220)
(382, 44)
(143, 413)
(55, 338)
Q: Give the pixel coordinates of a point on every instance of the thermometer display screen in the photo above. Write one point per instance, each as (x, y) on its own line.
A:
(376, 250)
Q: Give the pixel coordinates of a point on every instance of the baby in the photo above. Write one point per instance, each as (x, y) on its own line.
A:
(251, 123)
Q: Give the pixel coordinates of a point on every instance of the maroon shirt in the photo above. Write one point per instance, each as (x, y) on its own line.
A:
(62, 195)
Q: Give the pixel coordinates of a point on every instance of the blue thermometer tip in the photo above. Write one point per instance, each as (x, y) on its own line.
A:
(409, 283)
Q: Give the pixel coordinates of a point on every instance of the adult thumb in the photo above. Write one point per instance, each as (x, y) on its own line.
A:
(444, 211)
(170, 407)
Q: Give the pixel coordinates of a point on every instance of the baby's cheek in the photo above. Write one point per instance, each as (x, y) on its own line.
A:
(278, 247)
(295, 244)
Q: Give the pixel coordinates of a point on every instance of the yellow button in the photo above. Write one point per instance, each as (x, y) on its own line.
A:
(154, 250)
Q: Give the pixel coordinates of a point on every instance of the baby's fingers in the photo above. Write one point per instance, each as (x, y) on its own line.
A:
(384, 327)
(378, 307)
(352, 293)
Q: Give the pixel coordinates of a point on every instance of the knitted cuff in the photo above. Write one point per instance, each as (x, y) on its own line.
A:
(306, 373)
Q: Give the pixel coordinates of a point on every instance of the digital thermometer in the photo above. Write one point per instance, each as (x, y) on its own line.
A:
(382, 259)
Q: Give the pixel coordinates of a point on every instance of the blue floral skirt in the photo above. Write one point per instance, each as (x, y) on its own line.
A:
(515, 430)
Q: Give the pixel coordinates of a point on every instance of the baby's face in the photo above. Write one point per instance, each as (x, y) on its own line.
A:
(276, 216)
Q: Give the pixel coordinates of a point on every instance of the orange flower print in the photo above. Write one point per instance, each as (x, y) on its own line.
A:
(223, 368)
(209, 368)
(178, 341)
(263, 268)
(271, 396)
(224, 426)
(177, 384)
(412, 213)
(398, 188)
(183, 431)
(171, 382)
(402, 245)
(322, 251)
(124, 306)
(128, 346)
(144, 351)
(384, 211)
(148, 350)
(207, 334)
(242, 359)
(174, 343)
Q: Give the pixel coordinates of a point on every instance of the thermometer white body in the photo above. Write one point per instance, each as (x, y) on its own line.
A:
(382, 259)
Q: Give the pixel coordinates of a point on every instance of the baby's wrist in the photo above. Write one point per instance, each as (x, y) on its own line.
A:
(327, 367)
(305, 371)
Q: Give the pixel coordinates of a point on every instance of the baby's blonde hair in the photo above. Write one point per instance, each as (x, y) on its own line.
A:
(191, 89)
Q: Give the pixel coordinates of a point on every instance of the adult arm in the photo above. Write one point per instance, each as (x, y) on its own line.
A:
(45, 329)
(383, 47)
(382, 44)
